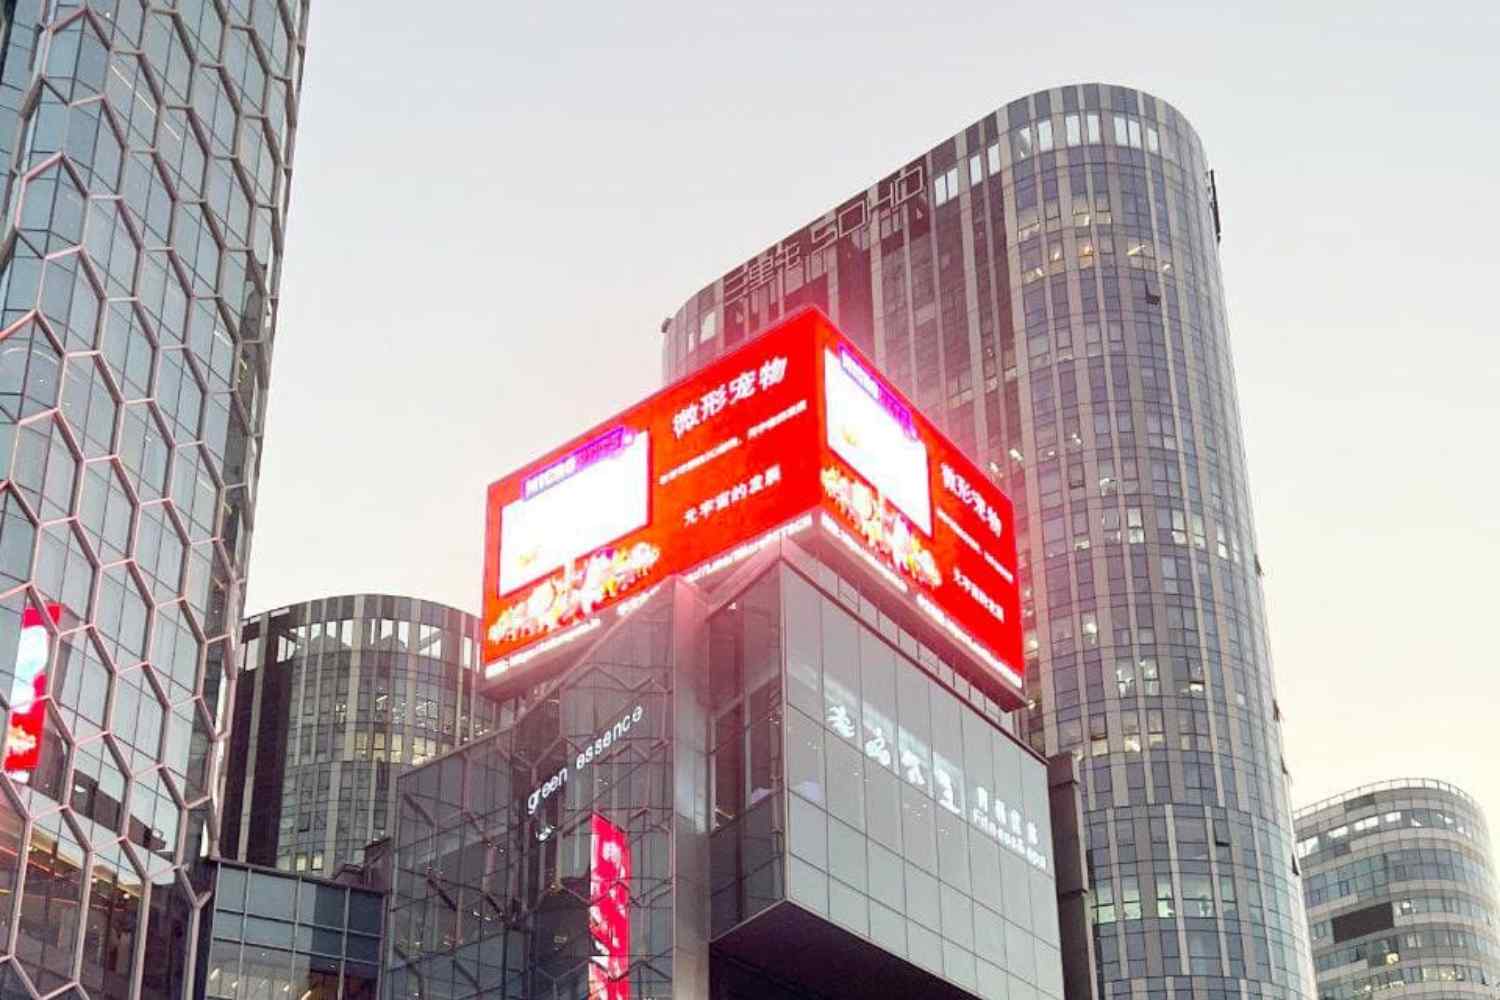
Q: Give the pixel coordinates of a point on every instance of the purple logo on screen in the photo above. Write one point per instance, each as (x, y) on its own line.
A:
(609, 443)
(878, 392)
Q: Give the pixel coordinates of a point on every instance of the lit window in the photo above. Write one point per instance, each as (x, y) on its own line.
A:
(1043, 136)
(1020, 143)
(945, 188)
(1135, 133)
(1093, 122)
(1028, 226)
(1031, 265)
(994, 157)
(1122, 131)
(1197, 896)
(976, 169)
(1153, 140)
(1074, 128)
(1104, 903)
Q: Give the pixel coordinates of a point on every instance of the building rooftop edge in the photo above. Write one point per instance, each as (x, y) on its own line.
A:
(1388, 785)
(1000, 114)
(252, 615)
(333, 883)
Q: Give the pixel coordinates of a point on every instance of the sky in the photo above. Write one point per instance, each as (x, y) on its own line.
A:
(494, 208)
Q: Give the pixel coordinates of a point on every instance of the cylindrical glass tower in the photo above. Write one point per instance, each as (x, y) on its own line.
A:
(336, 698)
(1046, 285)
(1400, 887)
(146, 156)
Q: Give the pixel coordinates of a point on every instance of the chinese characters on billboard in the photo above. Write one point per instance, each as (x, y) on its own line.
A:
(793, 433)
(609, 911)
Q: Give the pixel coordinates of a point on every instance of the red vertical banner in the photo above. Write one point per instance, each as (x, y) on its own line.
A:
(28, 694)
(609, 912)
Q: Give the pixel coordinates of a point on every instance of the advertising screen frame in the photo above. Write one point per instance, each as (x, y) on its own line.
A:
(742, 453)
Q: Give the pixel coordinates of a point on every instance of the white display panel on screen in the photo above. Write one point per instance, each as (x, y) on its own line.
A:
(873, 441)
(593, 506)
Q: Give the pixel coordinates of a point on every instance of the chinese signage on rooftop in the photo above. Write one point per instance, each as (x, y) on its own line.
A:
(793, 432)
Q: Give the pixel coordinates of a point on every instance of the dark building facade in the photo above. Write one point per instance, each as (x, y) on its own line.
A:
(1400, 888)
(712, 753)
(146, 154)
(281, 936)
(1046, 286)
(338, 696)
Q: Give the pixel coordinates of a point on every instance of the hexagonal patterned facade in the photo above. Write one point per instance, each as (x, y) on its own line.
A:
(147, 150)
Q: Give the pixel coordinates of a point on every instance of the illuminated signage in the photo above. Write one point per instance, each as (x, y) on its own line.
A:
(586, 756)
(925, 767)
(28, 694)
(609, 911)
(744, 452)
(1009, 826)
(559, 515)
(873, 431)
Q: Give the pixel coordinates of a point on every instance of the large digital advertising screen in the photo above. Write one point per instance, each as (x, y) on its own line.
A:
(559, 514)
(793, 433)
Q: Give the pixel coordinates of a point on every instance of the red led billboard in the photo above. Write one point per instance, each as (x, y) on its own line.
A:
(794, 432)
(28, 694)
(609, 911)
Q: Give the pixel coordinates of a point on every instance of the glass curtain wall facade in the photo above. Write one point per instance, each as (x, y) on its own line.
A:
(336, 698)
(491, 877)
(282, 937)
(1046, 286)
(146, 156)
(866, 822)
(847, 779)
(1400, 886)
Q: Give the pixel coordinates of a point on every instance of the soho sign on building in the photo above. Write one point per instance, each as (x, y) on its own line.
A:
(795, 433)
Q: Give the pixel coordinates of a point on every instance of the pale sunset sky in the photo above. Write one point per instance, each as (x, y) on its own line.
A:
(495, 205)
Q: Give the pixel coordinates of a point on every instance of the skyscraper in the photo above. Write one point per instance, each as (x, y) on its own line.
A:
(1400, 891)
(336, 697)
(147, 156)
(1046, 286)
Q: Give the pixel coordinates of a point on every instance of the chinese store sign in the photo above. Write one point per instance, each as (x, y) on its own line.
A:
(794, 422)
